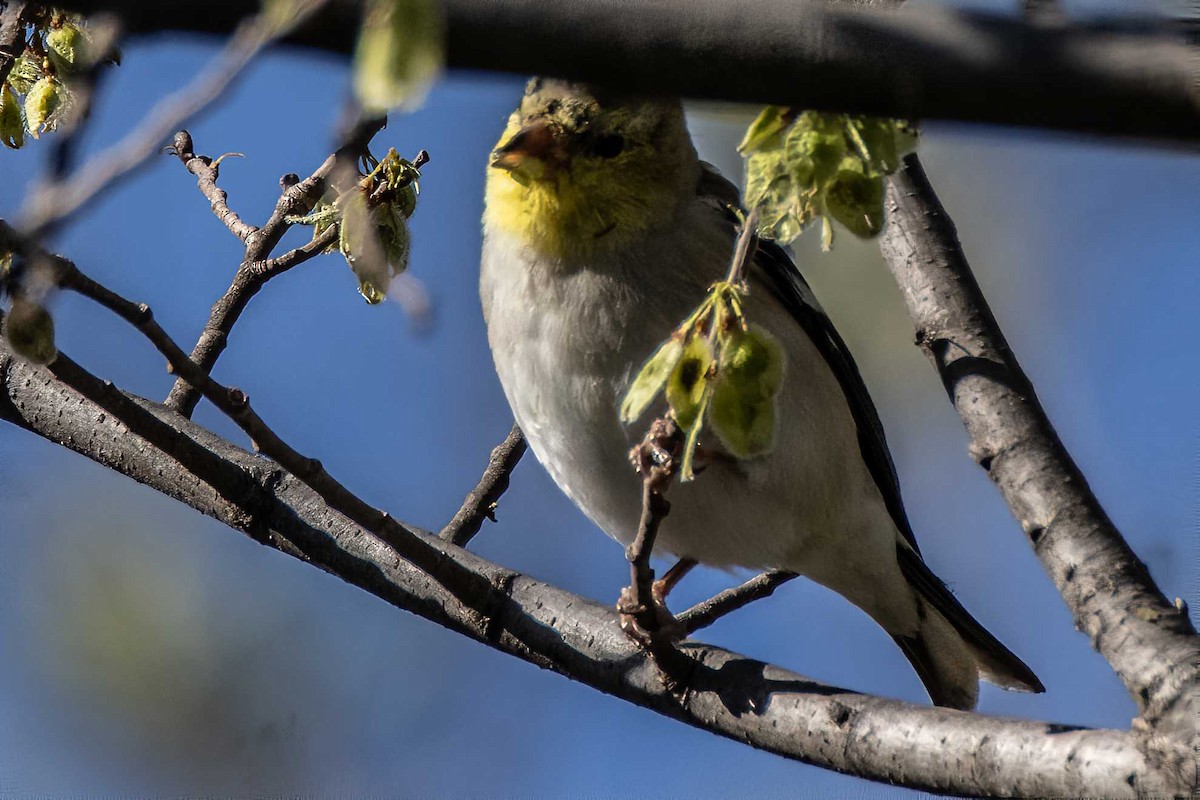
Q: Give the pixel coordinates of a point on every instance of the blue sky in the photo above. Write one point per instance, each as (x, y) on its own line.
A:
(152, 651)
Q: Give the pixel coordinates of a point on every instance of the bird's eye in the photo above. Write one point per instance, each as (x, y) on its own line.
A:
(609, 146)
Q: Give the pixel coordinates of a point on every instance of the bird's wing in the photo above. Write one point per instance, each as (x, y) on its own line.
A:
(775, 270)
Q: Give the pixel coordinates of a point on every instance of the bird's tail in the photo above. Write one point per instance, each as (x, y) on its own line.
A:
(951, 651)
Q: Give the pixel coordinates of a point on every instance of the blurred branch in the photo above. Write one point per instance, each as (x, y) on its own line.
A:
(51, 205)
(1124, 77)
(1150, 643)
(765, 706)
(480, 504)
(256, 268)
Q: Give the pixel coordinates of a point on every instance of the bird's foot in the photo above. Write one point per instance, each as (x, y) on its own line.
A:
(650, 626)
(663, 586)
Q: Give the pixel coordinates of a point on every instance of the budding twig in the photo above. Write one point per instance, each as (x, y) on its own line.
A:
(297, 198)
(657, 460)
(233, 402)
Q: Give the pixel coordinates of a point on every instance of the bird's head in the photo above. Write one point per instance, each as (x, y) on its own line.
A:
(580, 170)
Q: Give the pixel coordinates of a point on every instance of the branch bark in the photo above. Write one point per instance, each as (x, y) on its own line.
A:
(257, 268)
(1148, 641)
(722, 692)
(1126, 78)
(12, 37)
(480, 504)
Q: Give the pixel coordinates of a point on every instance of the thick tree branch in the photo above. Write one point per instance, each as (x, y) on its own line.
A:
(745, 700)
(1147, 640)
(1124, 78)
(480, 504)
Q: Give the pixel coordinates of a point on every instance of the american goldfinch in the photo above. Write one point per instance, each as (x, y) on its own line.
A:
(602, 231)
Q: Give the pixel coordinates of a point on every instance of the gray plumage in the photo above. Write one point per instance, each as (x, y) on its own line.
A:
(568, 335)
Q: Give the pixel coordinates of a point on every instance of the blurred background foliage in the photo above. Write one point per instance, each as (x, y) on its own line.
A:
(150, 651)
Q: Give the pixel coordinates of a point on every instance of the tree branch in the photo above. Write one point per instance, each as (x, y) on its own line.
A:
(1127, 78)
(12, 37)
(51, 205)
(256, 269)
(709, 611)
(1148, 641)
(765, 706)
(232, 402)
(480, 504)
(206, 171)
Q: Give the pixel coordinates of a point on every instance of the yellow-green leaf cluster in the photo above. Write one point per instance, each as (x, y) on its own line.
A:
(36, 95)
(372, 216)
(801, 166)
(400, 52)
(718, 369)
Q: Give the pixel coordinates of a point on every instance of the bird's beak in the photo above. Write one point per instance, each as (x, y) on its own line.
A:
(533, 152)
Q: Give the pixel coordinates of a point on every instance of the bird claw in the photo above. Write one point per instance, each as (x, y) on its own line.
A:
(648, 627)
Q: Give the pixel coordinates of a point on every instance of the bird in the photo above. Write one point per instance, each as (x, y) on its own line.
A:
(602, 230)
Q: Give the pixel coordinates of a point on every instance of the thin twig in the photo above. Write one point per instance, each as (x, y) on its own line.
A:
(233, 402)
(743, 250)
(207, 171)
(296, 199)
(706, 613)
(50, 206)
(656, 459)
(480, 504)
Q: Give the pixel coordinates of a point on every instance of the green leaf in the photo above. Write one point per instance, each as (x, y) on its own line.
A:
(763, 170)
(856, 201)
(29, 329)
(26, 71)
(12, 123)
(749, 374)
(393, 235)
(686, 468)
(814, 147)
(688, 382)
(42, 104)
(400, 53)
(374, 242)
(764, 131)
(821, 165)
(651, 379)
(66, 46)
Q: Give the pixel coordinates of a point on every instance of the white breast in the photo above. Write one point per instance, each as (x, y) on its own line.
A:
(567, 342)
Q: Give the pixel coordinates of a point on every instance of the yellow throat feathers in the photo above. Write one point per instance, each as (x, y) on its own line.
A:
(588, 204)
